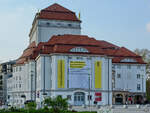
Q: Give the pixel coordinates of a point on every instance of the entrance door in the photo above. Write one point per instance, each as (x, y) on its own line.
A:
(119, 99)
(79, 99)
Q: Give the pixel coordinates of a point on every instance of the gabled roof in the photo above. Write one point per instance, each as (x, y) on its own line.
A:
(57, 12)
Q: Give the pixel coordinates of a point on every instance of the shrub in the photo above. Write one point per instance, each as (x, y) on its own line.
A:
(31, 105)
(57, 104)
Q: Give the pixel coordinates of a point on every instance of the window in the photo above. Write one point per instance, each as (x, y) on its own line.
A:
(1, 82)
(69, 97)
(20, 69)
(138, 67)
(69, 25)
(19, 85)
(58, 24)
(119, 66)
(118, 75)
(138, 87)
(16, 77)
(138, 76)
(79, 49)
(128, 60)
(89, 97)
(8, 96)
(128, 66)
(19, 77)
(79, 58)
(1, 77)
(47, 23)
(113, 66)
(16, 69)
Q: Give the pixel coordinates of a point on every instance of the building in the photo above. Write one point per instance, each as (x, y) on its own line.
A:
(129, 77)
(5, 73)
(59, 61)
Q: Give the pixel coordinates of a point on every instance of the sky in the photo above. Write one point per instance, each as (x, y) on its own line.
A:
(121, 22)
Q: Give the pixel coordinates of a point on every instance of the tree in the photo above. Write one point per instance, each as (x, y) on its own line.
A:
(148, 89)
(31, 105)
(145, 54)
(56, 104)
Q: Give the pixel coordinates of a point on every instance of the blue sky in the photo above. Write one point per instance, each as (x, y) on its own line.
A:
(122, 22)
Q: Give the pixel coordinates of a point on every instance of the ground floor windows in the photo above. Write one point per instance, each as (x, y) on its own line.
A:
(89, 97)
(128, 98)
(79, 98)
(69, 97)
(119, 99)
(138, 87)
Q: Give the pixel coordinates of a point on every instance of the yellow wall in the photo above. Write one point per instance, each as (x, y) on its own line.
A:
(98, 74)
(61, 74)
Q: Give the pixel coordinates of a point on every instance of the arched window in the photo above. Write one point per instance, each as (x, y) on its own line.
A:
(79, 49)
(128, 60)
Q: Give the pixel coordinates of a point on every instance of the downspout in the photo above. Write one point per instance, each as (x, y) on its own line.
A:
(44, 77)
(35, 82)
(108, 81)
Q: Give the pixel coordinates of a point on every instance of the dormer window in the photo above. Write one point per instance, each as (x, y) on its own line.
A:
(70, 25)
(79, 49)
(128, 60)
(59, 24)
(47, 23)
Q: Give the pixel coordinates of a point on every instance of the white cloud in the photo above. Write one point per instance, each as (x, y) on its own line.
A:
(148, 27)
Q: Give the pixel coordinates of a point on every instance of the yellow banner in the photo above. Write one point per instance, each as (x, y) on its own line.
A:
(77, 64)
(61, 74)
(98, 74)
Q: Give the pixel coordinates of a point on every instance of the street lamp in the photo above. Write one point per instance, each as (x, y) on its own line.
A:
(142, 83)
(32, 92)
(89, 92)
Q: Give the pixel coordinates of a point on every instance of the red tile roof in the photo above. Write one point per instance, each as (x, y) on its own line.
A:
(73, 40)
(26, 53)
(57, 8)
(119, 60)
(63, 44)
(57, 12)
(125, 52)
(105, 44)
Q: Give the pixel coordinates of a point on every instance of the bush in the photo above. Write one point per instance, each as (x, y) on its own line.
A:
(57, 104)
(31, 105)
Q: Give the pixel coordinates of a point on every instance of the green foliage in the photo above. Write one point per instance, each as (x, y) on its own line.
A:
(31, 105)
(52, 105)
(148, 90)
(38, 111)
(57, 104)
(145, 54)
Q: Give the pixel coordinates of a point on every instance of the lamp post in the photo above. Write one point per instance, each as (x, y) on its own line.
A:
(89, 92)
(142, 84)
(31, 86)
(142, 87)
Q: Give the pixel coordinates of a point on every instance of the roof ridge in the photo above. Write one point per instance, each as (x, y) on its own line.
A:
(57, 8)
